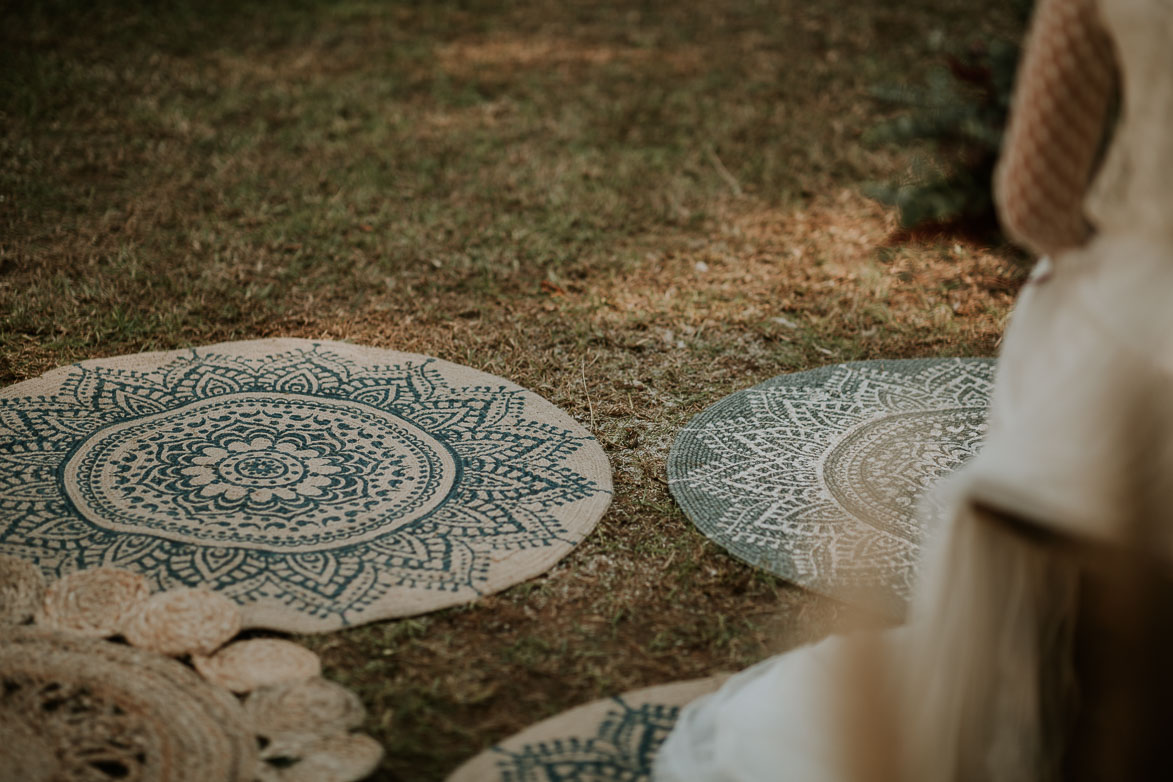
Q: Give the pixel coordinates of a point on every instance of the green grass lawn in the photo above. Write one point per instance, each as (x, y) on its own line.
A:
(632, 208)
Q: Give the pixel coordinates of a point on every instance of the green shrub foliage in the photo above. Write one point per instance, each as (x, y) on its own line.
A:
(961, 110)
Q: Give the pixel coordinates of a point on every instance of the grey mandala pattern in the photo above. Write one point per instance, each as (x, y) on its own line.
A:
(316, 480)
(817, 476)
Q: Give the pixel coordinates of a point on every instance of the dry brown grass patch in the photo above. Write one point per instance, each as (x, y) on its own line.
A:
(507, 53)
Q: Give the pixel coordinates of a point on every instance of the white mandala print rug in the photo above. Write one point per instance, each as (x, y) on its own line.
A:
(816, 476)
(317, 484)
(611, 740)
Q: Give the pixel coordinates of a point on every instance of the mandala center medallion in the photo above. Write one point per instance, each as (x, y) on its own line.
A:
(878, 470)
(277, 472)
(262, 469)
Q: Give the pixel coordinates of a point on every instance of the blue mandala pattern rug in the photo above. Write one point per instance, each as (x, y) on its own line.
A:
(612, 740)
(318, 484)
(817, 476)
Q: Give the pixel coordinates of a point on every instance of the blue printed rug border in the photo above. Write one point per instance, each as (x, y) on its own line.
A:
(610, 740)
(319, 484)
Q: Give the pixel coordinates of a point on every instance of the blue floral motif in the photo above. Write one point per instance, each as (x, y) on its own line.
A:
(622, 750)
(307, 477)
(279, 473)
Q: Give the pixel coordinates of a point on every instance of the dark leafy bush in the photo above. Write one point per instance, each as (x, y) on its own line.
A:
(961, 110)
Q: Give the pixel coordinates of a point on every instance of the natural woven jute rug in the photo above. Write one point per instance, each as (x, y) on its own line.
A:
(78, 708)
(611, 740)
(55, 724)
(316, 484)
(817, 476)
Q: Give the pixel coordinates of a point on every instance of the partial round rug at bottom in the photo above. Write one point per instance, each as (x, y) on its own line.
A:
(74, 708)
(816, 476)
(317, 484)
(611, 740)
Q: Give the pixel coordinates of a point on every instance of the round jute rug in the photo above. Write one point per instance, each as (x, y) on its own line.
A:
(817, 476)
(77, 708)
(317, 484)
(611, 740)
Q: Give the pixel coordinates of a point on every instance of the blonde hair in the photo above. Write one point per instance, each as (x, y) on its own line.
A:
(981, 685)
(989, 681)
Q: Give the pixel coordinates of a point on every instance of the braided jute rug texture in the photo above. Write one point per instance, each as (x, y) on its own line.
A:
(316, 484)
(818, 477)
(73, 707)
(610, 740)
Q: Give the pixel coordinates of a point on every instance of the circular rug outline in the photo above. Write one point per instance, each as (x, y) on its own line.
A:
(141, 687)
(537, 744)
(497, 565)
(888, 591)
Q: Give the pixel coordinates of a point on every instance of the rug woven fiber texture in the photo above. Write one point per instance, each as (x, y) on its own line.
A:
(817, 476)
(82, 708)
(610, 740)
(316, 484)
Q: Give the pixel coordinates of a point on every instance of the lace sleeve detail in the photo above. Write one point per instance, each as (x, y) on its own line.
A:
(1057, 119)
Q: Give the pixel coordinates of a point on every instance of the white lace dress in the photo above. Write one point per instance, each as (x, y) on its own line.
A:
(1081, 442)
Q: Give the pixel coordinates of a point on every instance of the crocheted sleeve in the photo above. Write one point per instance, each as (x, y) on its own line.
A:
(1057, 119)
